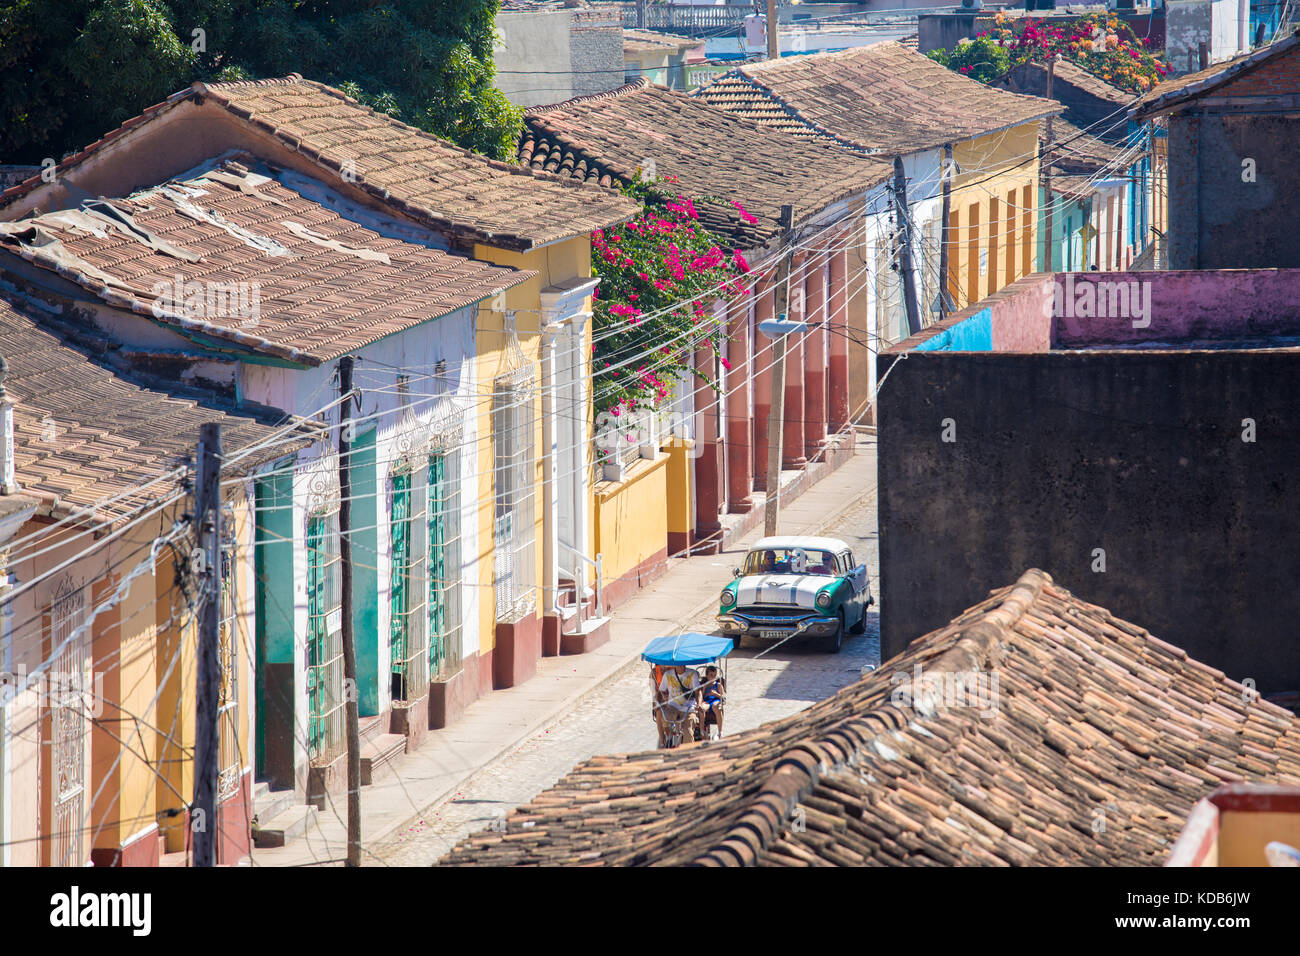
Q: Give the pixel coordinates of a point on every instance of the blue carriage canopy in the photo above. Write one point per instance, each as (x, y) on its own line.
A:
(686, 649)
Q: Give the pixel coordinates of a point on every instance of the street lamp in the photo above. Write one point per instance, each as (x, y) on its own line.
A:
(777, 330)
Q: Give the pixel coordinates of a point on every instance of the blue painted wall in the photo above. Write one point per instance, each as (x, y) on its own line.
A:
(974, 334)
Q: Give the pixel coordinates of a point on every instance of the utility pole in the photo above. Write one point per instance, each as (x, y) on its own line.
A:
(207, 523)
(905, 249)
(773, 36)
(640, 14)
(945, 213)
(349, 644)
(1045, 168)
(776, 415)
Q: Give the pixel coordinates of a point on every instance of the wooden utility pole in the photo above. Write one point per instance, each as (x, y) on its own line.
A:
(945, 214)
(1045, 169)
(349, 643)
(773, 35)
(776, 415)
(207, 523)
(905, 249)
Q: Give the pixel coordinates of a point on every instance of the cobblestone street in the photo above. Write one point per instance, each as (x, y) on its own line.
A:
(764, 683)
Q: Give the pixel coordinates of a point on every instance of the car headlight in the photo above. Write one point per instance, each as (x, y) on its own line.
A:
(728, 597)
(823, 598)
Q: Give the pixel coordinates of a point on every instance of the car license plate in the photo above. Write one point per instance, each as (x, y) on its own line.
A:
(773, 635)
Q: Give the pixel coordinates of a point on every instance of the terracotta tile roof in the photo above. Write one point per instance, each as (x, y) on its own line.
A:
(1076, 150)
(882, 98)
(84, 432)
(1175, 92)
(442, 185)
(324, 284)
(1107, 114)
(642, 40)
(1092, 719)
(716, 157)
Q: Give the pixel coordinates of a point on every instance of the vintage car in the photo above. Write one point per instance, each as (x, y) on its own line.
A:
(796, 585)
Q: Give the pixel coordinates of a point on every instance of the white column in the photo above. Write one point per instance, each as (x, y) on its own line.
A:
(578, 418)
(551, 430)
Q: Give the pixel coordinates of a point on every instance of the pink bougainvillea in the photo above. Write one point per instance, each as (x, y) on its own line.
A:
(658, 272)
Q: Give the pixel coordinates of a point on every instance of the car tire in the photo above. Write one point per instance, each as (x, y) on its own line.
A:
(832, 643)
(861, 626)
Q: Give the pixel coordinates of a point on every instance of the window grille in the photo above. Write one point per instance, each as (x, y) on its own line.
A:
(406, 634)
(445, 624)
(324, 637)
(68, 727)
(228, 703)
(514, 533)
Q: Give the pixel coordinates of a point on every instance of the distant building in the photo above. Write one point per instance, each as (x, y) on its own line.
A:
(661, 58)
(1132, 431)
(1104, 212)
(1232, 163)
(548, 53)
(1242, 824)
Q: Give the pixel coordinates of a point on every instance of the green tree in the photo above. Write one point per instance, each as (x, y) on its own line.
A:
(70, 70)
(981, 59)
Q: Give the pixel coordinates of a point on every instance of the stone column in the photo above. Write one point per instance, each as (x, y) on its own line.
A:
(792, 443)
(815, 356)
(740, 421)
(761, 349)
(707, 451)
(837, 373)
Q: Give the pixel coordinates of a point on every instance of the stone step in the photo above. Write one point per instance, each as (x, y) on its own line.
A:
(268, 803)
(179, 858)
(285, 827)
(369, 728)
(378, 754)
(584, 637)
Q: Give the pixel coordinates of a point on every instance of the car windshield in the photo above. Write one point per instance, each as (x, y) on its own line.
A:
(778, 561)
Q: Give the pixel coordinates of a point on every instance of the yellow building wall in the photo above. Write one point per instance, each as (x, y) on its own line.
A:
(631, 516)
(132, 785)
(554, 264)
(1244, 834)
(986, 224)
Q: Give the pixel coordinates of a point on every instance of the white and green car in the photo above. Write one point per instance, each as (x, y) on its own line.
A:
(796, 584)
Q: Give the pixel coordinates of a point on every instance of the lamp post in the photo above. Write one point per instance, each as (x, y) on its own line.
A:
(777, 330)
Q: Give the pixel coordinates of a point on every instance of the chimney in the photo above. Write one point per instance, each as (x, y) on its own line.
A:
(8, 486)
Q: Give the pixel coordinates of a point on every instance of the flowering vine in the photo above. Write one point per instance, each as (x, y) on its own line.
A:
(660, 274)
(1099, 43)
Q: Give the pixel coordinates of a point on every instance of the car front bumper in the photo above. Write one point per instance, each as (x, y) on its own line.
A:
(775, 625)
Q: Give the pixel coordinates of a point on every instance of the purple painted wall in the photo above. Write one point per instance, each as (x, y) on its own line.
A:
(1129, 308)
(1073, 310)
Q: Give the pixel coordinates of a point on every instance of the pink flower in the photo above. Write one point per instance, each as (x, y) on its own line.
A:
(743, 214)
(726, 365)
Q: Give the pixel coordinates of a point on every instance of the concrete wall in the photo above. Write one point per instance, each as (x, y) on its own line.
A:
(1060, 454)
(1231, 170)
(550, 56)
(1189, 23)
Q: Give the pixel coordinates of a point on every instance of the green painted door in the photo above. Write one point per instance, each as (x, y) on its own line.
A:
(405, 679)
(438, 584)
(365, 572)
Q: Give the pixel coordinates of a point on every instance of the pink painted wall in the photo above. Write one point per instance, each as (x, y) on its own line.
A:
(1022, 321)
